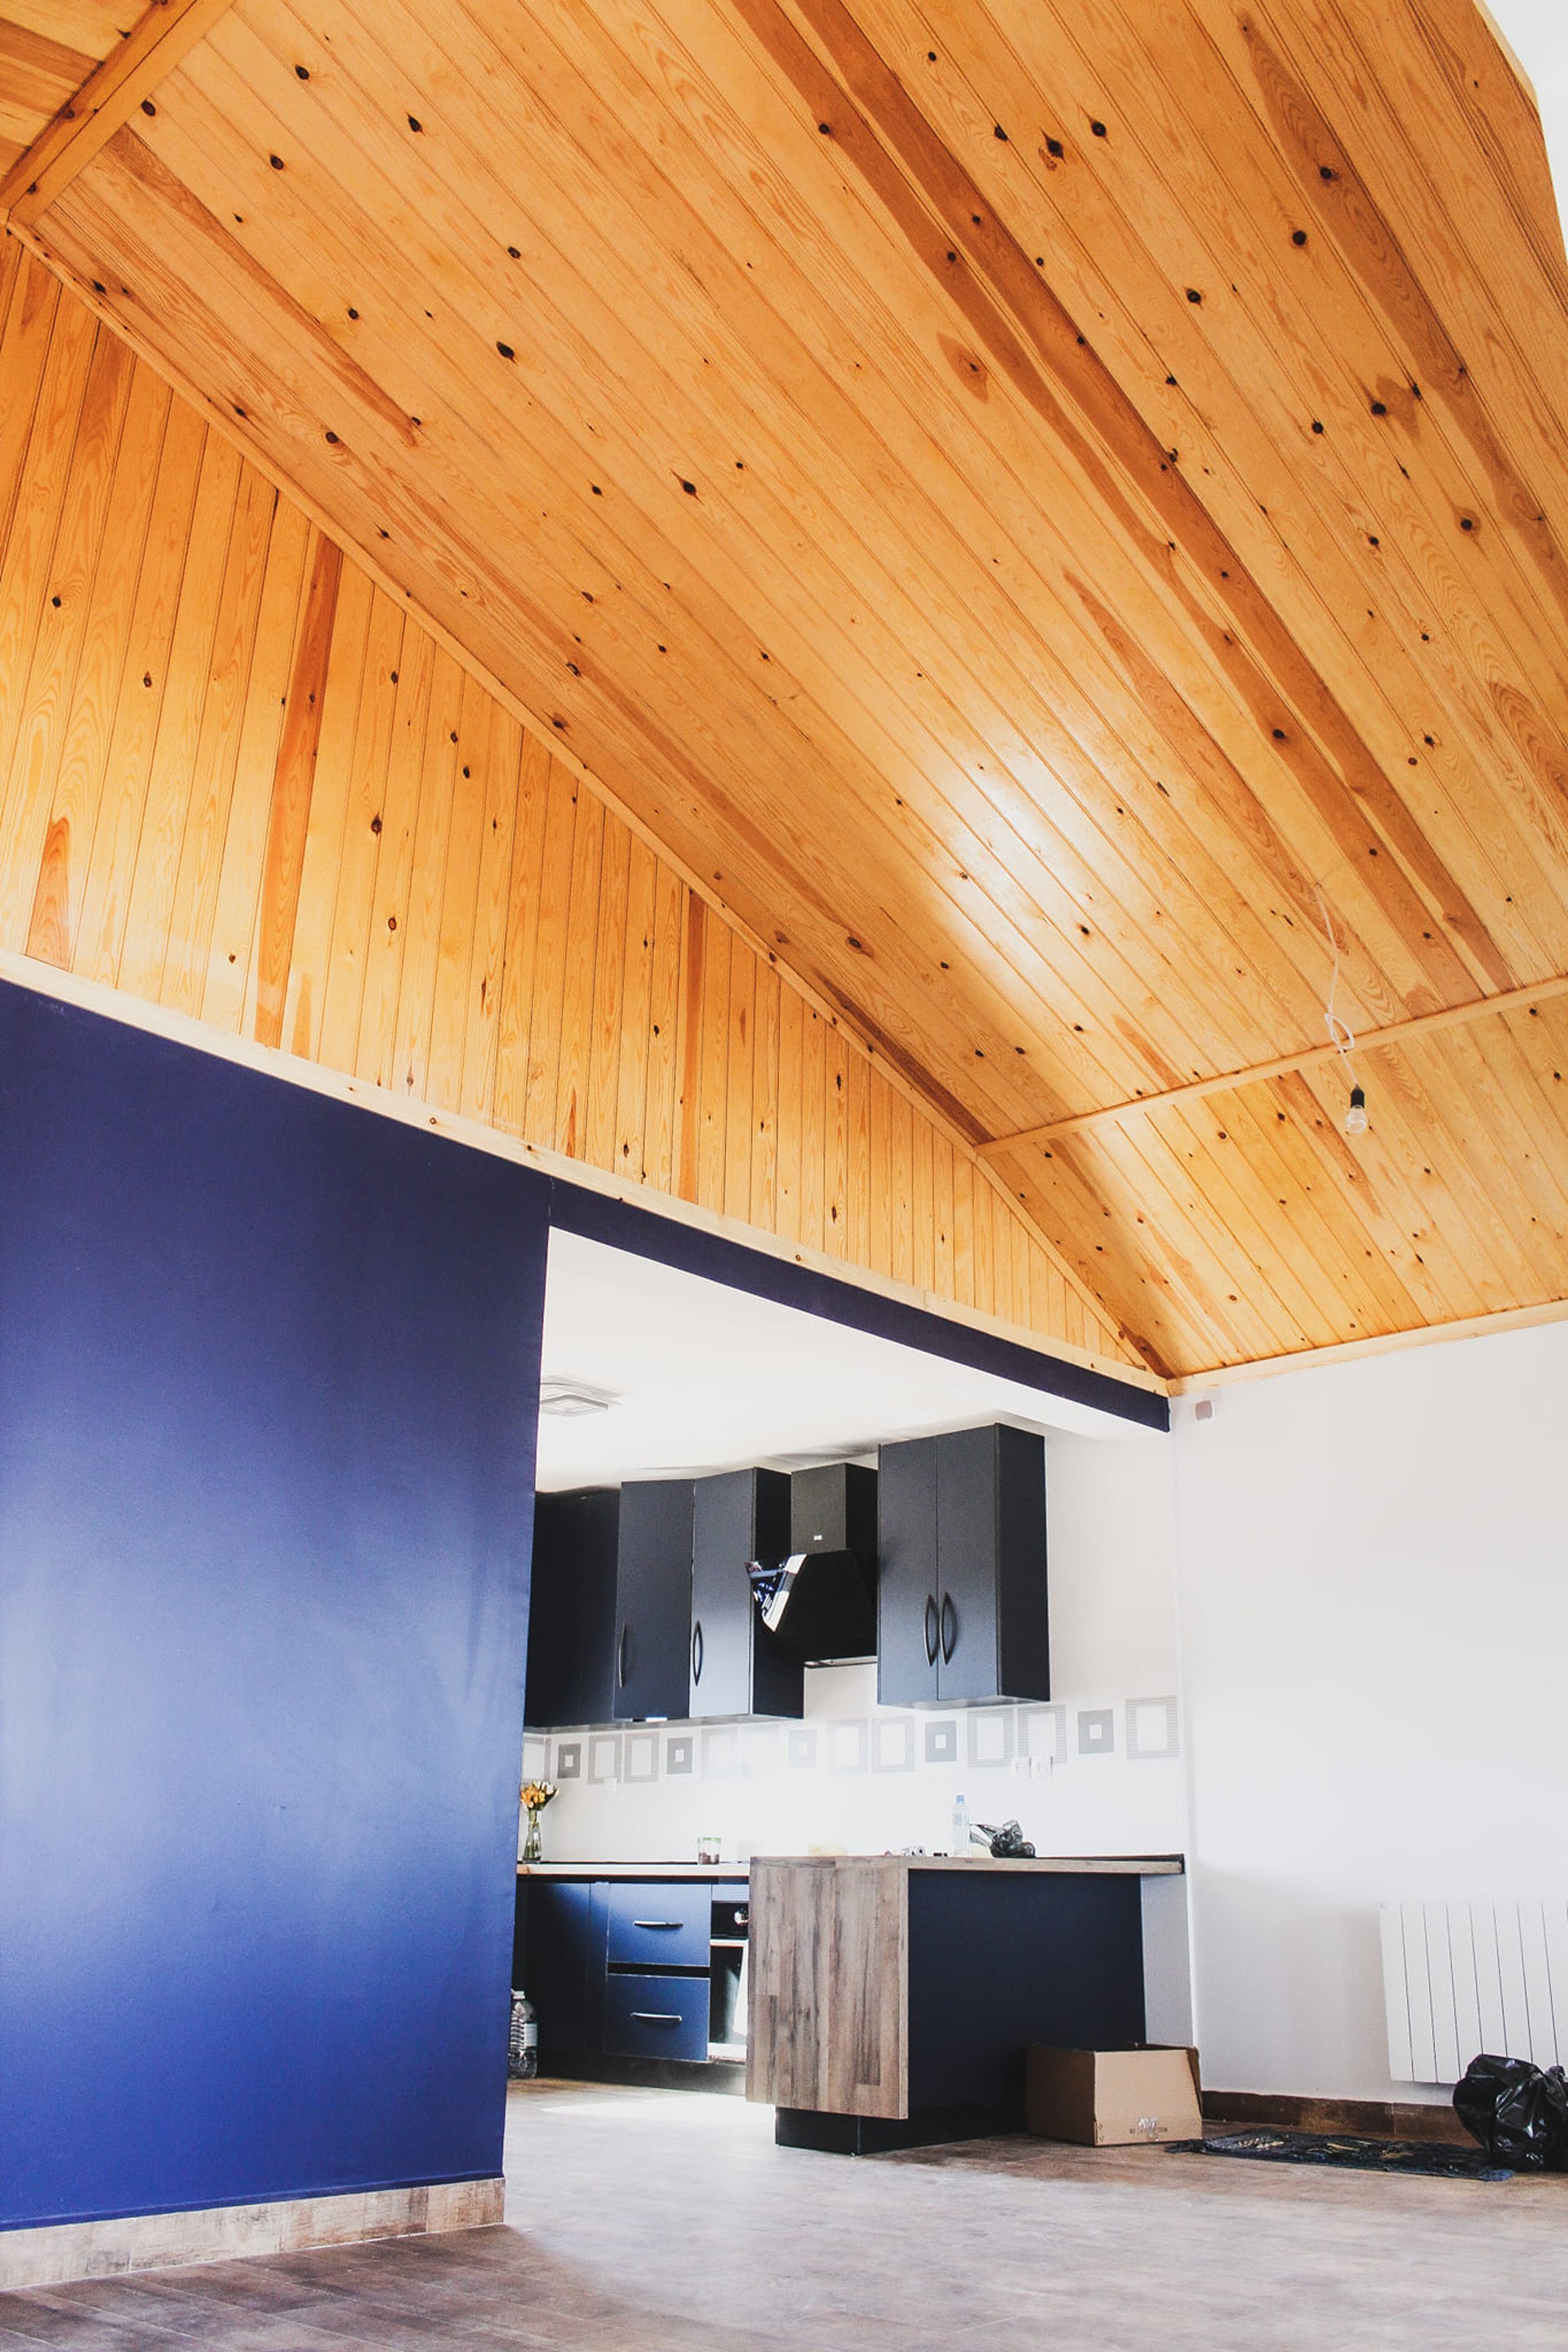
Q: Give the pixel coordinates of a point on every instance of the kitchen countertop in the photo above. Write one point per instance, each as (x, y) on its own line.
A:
(1070, 1865)
(718, 1871)
(1107, 1866)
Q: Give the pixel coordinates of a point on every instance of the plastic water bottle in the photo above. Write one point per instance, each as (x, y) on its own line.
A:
(523, 2053)
(961, 1825)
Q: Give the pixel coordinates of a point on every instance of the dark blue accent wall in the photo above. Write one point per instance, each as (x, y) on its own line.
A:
(269, 1377)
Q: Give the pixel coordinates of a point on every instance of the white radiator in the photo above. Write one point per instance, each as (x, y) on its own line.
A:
(1461, 1978)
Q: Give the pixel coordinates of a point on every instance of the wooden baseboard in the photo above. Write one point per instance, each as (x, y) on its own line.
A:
(219, 2234)
(1366, 2119)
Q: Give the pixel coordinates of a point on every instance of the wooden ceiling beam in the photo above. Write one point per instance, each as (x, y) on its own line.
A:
(164, 33)
(1420, 1024)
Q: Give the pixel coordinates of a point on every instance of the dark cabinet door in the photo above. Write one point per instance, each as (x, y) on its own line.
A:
(650, 1657)
(962, 1597)
(735, 1667)
(1023, 1617)
(907, 1628)
(564, 1963)
(992, 1640)
(572, 1609)
(967, 1664)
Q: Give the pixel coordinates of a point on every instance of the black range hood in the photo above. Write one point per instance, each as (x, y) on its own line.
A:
(820, 1604)
(817, 1605)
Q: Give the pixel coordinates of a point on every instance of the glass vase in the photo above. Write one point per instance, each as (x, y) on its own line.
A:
(533, 1850)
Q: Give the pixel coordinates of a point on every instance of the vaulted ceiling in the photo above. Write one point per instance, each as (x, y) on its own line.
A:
(1054, 512)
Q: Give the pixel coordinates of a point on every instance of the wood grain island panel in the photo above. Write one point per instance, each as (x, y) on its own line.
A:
(893, 1996)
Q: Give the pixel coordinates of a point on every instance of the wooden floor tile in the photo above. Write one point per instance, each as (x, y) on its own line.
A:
(654, 2222)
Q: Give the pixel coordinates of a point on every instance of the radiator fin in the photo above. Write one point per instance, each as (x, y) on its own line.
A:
(1462, 1976)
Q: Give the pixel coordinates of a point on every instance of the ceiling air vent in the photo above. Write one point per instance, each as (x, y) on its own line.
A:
(568, 1400)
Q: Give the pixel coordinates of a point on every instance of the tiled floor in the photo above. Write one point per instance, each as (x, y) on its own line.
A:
(654, 2222)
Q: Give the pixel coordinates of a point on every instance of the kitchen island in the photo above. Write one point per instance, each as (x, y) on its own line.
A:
(893, 1996)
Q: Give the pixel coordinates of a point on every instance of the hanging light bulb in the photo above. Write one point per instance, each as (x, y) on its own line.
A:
(1355, 1117)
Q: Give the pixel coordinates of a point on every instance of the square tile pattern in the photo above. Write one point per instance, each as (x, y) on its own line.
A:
(981, 1739)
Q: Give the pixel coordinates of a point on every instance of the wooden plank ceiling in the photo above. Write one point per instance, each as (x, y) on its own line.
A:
(48, 50)
(1042, 508)
(241, 783)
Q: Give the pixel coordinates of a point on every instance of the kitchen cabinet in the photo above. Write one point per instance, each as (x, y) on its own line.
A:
(736, 1667)
(833, 1508)
(559, 1954)
(962, 1608)
(651, 1670)
(572, 1607)
(610, 1606)
(633, 1979)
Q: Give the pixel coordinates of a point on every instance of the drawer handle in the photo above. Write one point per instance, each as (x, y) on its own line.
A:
(656, 2017)
(621, 1658)
(657, 1922)
(931, 1630)
(948, 1629)
(697, 1652)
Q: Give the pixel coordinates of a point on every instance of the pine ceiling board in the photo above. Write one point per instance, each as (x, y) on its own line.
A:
(1499, 106)
(931, 518)
(142, 260)
(1456, 695)
(1381, 1184)
(90, 27)
(275, 399)
(1354, 1248)
(233, 41)
(1264, 665)
(167, 112)
(40, 70)
(1058, 732)
(1152, 135)
(1448, 189)
(1133, 1245)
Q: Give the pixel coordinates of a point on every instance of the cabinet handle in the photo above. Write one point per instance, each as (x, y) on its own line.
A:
(931, 1629)
(656, 2017)
(697, 1652)
(948, 1629)
(621, 1658)
(655, 1922)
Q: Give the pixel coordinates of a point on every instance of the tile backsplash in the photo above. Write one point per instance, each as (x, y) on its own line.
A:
(1100, 1773)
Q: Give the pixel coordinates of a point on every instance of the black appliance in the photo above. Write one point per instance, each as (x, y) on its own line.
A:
(821, 1602)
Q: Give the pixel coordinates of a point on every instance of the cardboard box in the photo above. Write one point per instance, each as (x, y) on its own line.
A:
(1112, 2098)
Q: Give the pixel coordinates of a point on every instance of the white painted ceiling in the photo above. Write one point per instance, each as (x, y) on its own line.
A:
(708, 1378)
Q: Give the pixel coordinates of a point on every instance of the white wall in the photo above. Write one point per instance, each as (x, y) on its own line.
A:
(1106, 1774)
(1375, 1621)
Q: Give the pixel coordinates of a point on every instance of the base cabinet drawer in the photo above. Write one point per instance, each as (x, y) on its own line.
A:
(656, 2017)
(659, 1925)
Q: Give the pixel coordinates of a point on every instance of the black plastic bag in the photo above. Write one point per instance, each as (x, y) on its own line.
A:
(1518, 2111)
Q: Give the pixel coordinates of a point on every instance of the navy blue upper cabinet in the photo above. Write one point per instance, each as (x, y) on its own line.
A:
(573, 1623)
(651, 1662)
(735, 1666)
(908, 1627)
(961, 1594)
